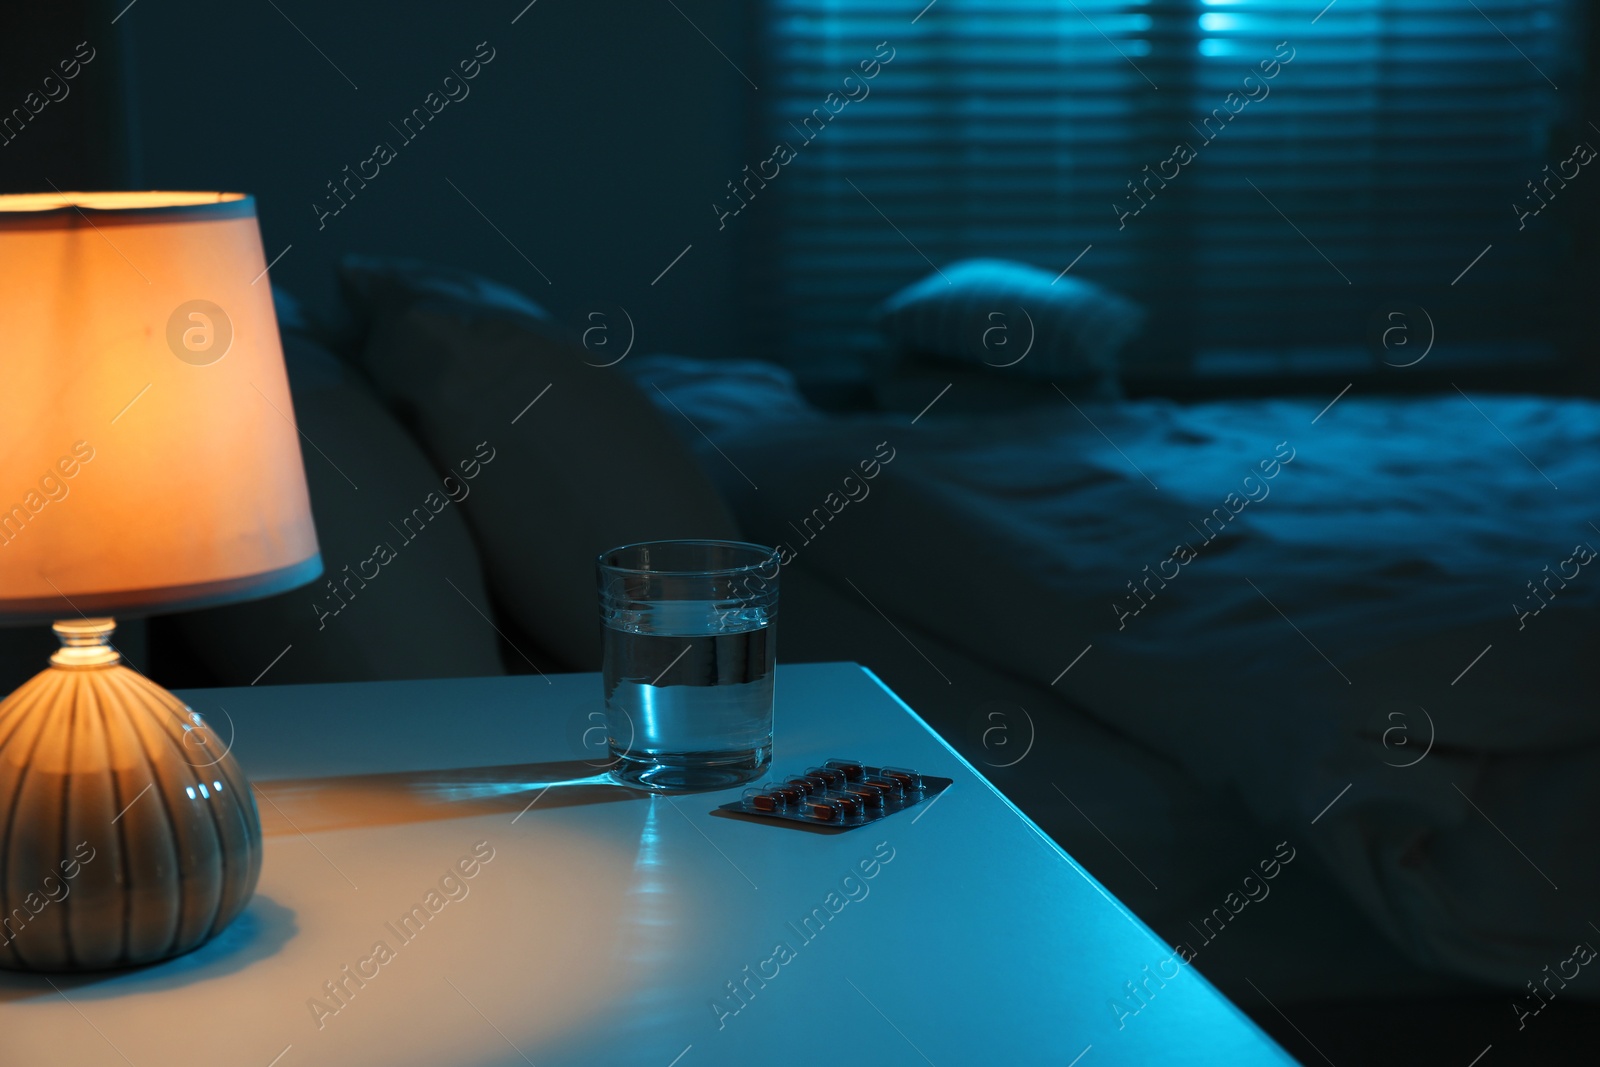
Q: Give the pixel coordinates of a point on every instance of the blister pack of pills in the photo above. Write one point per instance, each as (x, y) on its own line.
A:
(842, 793)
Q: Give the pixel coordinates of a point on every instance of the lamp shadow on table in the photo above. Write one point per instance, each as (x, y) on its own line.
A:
(291, 806)
(259, 932)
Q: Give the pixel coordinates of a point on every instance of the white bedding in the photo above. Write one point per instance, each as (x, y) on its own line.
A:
(1359, 606)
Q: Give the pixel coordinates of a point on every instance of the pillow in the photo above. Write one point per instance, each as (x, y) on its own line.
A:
(1016, 319)
(719, 394)
(383, 286)
(390, 534)
(582, 459)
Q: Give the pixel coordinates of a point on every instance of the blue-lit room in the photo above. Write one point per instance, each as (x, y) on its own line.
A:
(1161, 427)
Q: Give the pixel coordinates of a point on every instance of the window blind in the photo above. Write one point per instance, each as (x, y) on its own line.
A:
(1262, 174)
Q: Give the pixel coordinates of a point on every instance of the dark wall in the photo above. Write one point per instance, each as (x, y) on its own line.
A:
(593, 141)
(63, 76)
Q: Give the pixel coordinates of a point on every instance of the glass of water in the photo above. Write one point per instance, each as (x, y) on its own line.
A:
(690, 630)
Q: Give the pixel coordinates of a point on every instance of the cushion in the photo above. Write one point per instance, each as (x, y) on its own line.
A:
(376, 287)
(402, 588)
(1013, 318)
(720, 394)
(583, 460)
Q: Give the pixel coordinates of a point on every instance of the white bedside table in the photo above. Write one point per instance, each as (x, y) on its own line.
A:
(599, 926)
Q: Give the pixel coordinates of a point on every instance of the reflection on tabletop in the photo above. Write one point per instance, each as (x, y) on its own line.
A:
(296, 805)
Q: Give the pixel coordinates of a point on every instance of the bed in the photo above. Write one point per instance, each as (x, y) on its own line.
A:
(1359, 628)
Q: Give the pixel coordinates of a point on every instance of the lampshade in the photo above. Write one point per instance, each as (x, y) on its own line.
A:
(149, 459)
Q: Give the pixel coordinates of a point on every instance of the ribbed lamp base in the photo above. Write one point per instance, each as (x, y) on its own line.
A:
(128, 834)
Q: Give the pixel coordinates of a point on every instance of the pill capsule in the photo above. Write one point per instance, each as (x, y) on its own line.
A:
(849, 803)
(880, 786)
(873, 801)
(789, 795)
(831, 775)
(808, 786)
(891, 789)
(759, 799)
(821, 809)
(852, 769)
(909, 780)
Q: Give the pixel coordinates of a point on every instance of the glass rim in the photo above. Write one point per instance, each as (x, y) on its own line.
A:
(768, 555)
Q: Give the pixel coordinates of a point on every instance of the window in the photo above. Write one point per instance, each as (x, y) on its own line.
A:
(1263, 174)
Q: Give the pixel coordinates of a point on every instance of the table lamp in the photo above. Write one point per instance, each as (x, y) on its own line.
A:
(149, 463)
